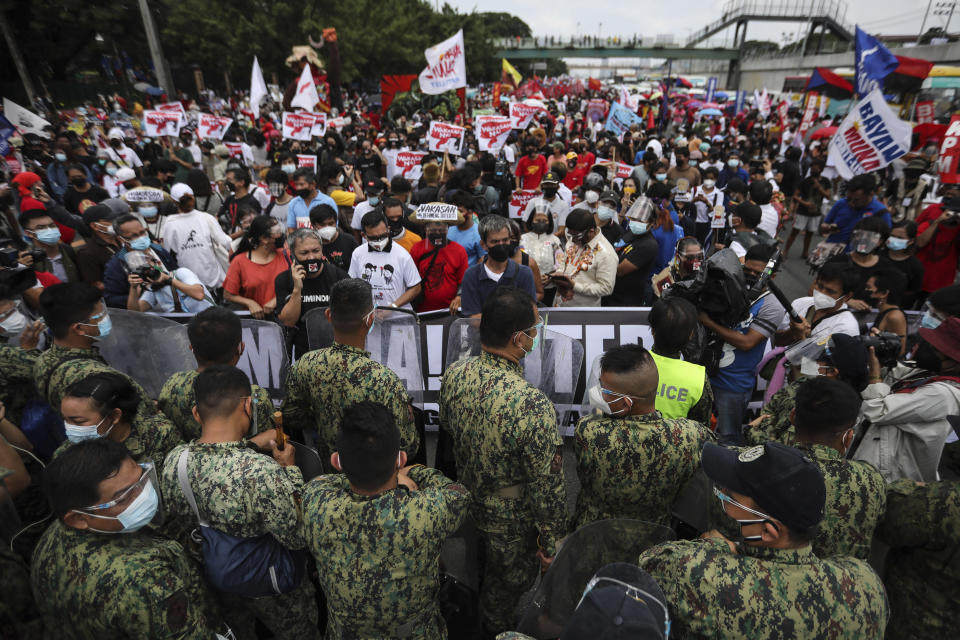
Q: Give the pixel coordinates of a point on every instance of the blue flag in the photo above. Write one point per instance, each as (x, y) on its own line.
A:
(620, 118)
(711, 89)
(874, 63)
(6, 130)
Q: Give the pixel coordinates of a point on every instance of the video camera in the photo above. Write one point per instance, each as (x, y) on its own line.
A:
(886, 346)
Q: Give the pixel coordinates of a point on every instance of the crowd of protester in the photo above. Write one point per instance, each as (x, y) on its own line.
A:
(836, 509)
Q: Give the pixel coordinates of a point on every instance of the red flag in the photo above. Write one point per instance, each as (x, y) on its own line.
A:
(594, 85)
(496, 94)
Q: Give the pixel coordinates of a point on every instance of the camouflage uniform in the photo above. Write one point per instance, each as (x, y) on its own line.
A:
(509, 455)
(18, 614)
(922, 527)
(59, 367)
(855, 502)
(778, 427)
(16, 379)
(324, 382)
(130, 585)
(761, 593)
(635, 466)
(244, 493)
(151, 439)
(377, 556)
(177, 401)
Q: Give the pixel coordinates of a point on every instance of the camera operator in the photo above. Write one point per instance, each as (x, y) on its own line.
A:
(904, 413)
(743, 349)
(16, 271)
(825, 312)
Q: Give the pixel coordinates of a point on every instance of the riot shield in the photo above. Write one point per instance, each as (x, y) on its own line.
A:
(554, 367)
(394, 342)
(147, 347)
(582, 553)
(308, 460)
(319, 331)
(265, 359)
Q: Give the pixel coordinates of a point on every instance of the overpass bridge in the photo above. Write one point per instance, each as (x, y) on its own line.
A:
(543, 48)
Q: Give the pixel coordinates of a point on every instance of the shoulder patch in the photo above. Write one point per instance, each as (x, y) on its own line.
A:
(751, 454)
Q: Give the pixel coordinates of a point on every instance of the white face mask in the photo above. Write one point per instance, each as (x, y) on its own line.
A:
(708, 184)
(13, 324)
(80, 432)
(822, 300)
(327, 233)
(378, 244)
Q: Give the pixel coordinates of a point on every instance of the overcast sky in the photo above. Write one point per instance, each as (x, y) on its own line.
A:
(681, 17)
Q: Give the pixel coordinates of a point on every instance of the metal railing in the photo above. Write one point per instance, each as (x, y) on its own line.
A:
(833, 9)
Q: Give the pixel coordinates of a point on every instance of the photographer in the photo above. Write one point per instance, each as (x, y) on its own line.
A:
(743, 349)
(904, 413)
(133, 237)
(154, 289)
(50, 254)
(825, 312)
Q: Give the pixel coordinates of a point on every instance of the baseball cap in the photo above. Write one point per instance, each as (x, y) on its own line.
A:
(551, 178)
(119, 206)
(621, 601)
(945, 338)
(571, 155)
(783, 481)
(179, 190)
(372, 186)
(126, 173)
(610, 196)
(98, 212)
(115, 134)
(846, 354)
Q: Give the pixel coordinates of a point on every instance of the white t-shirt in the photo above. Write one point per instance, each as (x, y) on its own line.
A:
(493, 276)
(359, 211)
(843, 322)
(705, 212)
(565, 194)
(191, 237)
(125, 156)
(390, 159)
(769, 219)
(162, 301)
(390, 273)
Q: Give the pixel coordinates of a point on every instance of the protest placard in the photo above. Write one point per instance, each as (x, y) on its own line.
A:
(162, 123)
(445, 137)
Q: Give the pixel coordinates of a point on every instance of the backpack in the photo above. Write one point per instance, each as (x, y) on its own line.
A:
(251, 567)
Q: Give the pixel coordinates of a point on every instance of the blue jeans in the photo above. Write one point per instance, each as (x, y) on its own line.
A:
(730, 407)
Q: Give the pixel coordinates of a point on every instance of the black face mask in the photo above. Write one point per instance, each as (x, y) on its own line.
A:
(79, 181)
(396, 227)
(550, 191)
(500, 252)
(926, 358)
(278, 242)
(303, 193)
(437, 239)
(540, 227)
(311, 266)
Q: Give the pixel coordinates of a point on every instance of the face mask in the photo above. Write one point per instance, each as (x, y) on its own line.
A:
(148, 212)
(606, 213)
(13, 324)
(660, 177)
(499, 253)
(147, 140)
(865, 241)
(277, 189)
(929, 321)
(288, 168)
(79, 433)
(101, 161)
(926, 358)
(437, 239)
(809, 367)
(540, 227)
(550, 191)
(373, 201)
(311, 266)
(279, 242)
(897, 244)
(378, 245)
(708, 184)
(396, 228)
(693, 163)
(48, 236)
(302, 193)
(140, 512)
(750, 281)
(629, 190)
(327, 233)
(763, 517)
(140, 244)
(111, 171)
(822, 300)
(104, 325)
(637, 228)
(78, 181)
(733, 162)
(60, 157)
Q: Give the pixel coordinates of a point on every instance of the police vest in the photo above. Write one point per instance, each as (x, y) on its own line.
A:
(680, 388)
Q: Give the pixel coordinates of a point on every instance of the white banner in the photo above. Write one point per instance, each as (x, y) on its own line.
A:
(446, 66)
(162, 123)
(445, 137)
(522, 113)
(438, 211)
(212, 127)
(869, 138)
(319, 128)
(297, 126)
(23, 119)
(305, 161)
(406, 164)
(492, 132)
(519, 200)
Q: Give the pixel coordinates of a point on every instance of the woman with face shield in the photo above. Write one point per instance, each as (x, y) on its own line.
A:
(636, 256)
(866, 241)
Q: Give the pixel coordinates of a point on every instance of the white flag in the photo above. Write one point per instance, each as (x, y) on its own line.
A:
(869, 138)
(306, 97)
(258, 88)
(446, 66)
(24, 120)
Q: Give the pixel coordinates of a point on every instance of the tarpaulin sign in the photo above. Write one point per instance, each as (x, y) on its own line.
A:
(297, 126)
(950, 153)
(162, 123)
(213, 127)
(492, 132)
(521, 114)
(519, 200)
(319, 128)
(407, 164)
(869, 138)
(445, 137)
(307, 161)
(235, 149)
(596, 108)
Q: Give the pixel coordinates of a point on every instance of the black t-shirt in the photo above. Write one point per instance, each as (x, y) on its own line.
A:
(340, 250)
(791, 177)
(76, 202)
(229, 211)
(865, 273)
(369, 166)
(316, 293)
(912, 268)
(810, 194)
(628, 291)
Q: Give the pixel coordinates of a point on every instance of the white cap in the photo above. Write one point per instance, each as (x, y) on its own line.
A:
(115, 134)
(126, 173)
(179, 190)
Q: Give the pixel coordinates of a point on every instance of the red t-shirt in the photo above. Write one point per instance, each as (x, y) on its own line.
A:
(939, 257)
(441, 284)
(586, 160)
(574, 178)
(530, 171)
(255, 281)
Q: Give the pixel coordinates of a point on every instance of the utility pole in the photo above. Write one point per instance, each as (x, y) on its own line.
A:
(17, 59)
(156, 51)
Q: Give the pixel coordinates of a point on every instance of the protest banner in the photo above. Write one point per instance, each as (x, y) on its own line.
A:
(437, 211)
(297, 126)
(445, 137)
(947, 162)
(718, 217)
(596, 107)
(174, 107)
(782, 110)
(446, 66)
(143, 194)
(162, 123)
(869, 138)
(809, 114)
(319, 128)
(407, 164)
(235, 149)
(492, 131)
(213, 127)
(305, 161)
(23, 119)
(519, 200)
(306, 96)
(521, 114)
(925, 112)
(620, 118)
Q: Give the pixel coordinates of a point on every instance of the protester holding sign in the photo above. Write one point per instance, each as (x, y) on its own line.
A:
(441, 263)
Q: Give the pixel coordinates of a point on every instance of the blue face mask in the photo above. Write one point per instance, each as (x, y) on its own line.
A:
(733, 162)
(60, 157)
(929, 321)
(80, 432)
(140, 244)
(638, 228)
(148, 212)
(661, 177)
(693, 163)
(104, 325)
(897, 244)
(288, 168)
(138, 514)
(48, 236)
(606, 213)
(373, 200)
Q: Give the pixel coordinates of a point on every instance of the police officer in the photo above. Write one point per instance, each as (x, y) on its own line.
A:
(684, 389)
(631, 460)
(922, 527)
(215, 338)
(78, 319)
(325, 382)
(508, 453)
(388, 589)
(98, 572)
(242, 493)
(771, 585)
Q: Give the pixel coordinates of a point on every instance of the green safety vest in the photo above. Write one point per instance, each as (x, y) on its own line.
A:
(681, 386)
